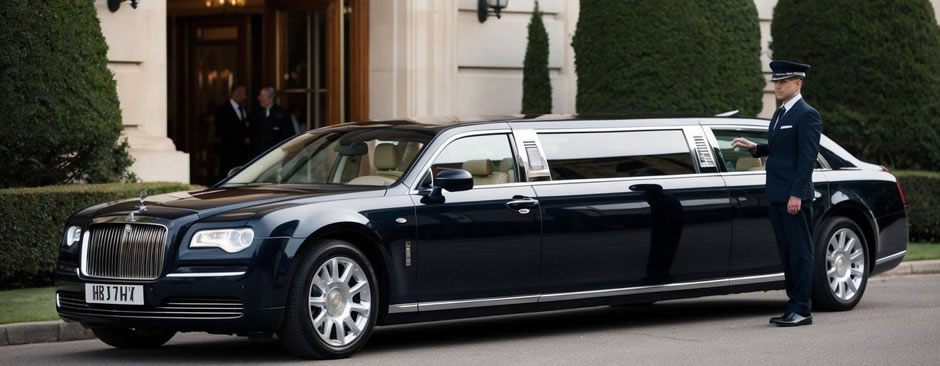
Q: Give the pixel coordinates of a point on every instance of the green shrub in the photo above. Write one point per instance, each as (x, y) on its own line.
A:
(875, 76)
(536, 85)
(32, 222)
(700, 57)
(922, 190)
(60, 118)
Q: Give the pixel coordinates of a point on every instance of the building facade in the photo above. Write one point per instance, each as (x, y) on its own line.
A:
(331, 61)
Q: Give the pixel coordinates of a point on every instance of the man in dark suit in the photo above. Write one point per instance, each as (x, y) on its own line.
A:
(272, 124)
(791, 157)
(232, 127)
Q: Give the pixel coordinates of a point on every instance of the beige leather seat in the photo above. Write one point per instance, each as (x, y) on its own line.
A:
(748, 164)
(483, 174)
(507, 166)
(386, 161)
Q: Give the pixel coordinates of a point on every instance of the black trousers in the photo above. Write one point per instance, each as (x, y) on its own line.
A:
(795, 241)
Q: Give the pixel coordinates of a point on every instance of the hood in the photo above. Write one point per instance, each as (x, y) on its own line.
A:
(213, 201)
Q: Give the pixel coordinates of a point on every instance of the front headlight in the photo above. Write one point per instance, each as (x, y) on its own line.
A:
(229, 240)
(73, 235)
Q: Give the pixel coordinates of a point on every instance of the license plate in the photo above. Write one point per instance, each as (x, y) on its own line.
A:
(114, 294)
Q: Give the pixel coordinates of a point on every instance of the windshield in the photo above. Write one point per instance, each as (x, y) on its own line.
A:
(366, 156)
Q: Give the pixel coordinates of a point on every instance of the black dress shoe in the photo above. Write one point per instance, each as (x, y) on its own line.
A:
(794, 320)
(776, 319)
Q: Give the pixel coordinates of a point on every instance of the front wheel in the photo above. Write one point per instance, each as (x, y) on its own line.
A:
(333, 302)
(841, 266)
(133, 337)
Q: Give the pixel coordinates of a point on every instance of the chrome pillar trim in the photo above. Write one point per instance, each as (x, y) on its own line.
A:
(476, 303)
(206, 274)
(756, 279)
(890, 257)
(403, 308)
(633, 290)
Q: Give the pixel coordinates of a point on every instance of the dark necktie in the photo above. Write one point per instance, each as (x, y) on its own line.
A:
(777, 117)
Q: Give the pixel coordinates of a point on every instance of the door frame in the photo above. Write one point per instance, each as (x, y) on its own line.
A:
(273, 61)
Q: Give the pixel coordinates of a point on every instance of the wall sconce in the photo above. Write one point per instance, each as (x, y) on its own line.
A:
(114, 5)
(483, 8)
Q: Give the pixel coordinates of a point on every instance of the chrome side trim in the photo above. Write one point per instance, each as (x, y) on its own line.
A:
(403, 308)
(774, 277)
(890, 257)
(206, 274)
(633, 290)
(473, 303)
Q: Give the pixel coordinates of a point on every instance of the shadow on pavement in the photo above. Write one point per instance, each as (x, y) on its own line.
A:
(467, 331)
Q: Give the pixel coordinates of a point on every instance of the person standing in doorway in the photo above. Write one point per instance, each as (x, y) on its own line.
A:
(272, 124)
(791, 153)
(232, 128)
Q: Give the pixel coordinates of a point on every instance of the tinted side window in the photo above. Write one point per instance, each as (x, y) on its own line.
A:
(738, 159)
(488, 158)
(616, 154)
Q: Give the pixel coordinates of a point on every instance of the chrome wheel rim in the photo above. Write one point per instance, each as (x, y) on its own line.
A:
(845, 263)
(340, 301)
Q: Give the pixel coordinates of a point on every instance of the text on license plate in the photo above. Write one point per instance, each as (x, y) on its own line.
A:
(114, 294)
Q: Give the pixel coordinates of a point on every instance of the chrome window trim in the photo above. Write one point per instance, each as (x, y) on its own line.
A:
(414, 186)
(890, 257)
(624, 179)
(206, 274)
(528, 299)
(119, 220)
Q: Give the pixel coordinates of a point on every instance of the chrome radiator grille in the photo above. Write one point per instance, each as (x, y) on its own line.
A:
(125, 251)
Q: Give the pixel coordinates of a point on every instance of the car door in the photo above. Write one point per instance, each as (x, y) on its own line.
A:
(754, 246)
(481, 243)
(628, 208)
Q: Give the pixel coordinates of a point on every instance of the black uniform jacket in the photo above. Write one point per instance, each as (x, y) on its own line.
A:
(270, 130)
(791, 153)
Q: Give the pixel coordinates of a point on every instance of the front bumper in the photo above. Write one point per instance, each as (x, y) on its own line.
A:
(233, 302)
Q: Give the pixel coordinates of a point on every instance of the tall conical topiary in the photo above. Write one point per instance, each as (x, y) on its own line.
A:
(875, 76)
(668, 56)
(536, 85)
(60, 117)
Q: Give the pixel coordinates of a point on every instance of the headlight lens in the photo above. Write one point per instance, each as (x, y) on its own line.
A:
(73, 235)
(229, 240)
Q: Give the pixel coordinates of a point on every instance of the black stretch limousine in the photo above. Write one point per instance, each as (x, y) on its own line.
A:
(342, 228)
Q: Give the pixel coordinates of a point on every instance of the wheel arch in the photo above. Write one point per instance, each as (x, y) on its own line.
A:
(862, 217)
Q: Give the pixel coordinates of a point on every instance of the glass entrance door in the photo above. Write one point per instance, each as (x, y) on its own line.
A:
(303, 75)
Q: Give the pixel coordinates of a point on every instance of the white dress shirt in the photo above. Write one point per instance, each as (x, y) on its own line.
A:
(786, 107)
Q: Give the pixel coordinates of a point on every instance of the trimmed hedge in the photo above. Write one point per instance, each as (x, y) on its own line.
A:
(922, 190)
(699, 57)
(32, 222)
(875, 76)
(60, 118)
(536, 85)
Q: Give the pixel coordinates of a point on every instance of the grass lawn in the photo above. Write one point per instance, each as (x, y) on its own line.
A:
(922, 251)
(27, 305)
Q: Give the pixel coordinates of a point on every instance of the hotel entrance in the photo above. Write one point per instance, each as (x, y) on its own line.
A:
(314, 52)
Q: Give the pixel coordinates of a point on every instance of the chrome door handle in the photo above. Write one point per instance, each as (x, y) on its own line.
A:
(522, 203)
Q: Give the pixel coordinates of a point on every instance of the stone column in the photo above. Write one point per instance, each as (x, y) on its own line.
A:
(137, 56)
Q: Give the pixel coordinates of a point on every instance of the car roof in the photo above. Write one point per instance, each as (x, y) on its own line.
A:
(628, 119)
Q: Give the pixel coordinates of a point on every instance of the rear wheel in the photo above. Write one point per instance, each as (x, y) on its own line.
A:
(333, 302)
(133, 337)
(841, 266)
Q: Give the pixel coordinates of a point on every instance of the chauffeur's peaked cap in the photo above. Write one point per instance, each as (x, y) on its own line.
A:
(787, 69)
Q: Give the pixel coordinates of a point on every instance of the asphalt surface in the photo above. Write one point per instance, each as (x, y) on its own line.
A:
(897, 322)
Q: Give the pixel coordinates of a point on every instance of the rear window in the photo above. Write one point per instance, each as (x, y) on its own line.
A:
(588, 155)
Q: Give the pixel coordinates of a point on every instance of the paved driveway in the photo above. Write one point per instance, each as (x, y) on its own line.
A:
(898, 322)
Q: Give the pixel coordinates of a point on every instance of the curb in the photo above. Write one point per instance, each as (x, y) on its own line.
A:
(914, 268)
(42, 332)
(61, 331)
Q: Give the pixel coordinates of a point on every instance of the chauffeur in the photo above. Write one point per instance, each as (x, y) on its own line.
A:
(791, 157)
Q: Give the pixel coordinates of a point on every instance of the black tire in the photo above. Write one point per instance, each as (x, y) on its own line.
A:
(297, 334)
(133, 337)
(824, 297)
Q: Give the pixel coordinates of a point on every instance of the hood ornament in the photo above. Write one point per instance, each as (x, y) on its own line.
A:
(141, 208)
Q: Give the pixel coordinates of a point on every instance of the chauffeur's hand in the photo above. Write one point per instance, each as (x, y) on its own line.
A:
(742, 142)
(793, 206)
